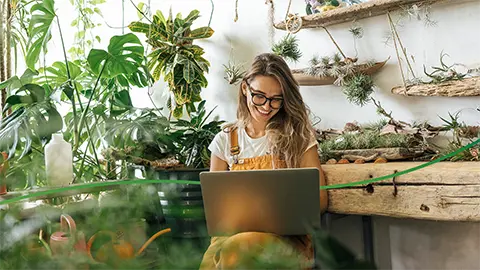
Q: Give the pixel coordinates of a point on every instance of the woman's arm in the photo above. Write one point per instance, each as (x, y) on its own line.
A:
(310, 159)
(217, 164)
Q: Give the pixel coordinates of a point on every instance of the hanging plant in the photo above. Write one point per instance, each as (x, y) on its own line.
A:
(358, 89)
(288, 48)
(233, 72)
(176, 58)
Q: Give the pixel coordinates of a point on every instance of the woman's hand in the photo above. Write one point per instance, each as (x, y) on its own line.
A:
(310, 159)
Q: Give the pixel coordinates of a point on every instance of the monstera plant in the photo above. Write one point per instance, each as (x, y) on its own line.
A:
(176, 58)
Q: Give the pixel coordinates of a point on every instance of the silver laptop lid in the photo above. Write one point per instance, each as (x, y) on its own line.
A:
(281, 201)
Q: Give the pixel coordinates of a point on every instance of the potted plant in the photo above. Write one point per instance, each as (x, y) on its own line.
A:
(176, 58)
(183, 203)
(169, 150)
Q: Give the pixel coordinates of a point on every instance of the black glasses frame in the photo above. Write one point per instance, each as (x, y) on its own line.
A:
(263, 96)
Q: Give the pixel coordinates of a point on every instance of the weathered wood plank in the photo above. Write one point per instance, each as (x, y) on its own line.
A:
(446, 203)
(396, 153)
(356, 12)
(442, 173)
(461, 88)
(304, 79)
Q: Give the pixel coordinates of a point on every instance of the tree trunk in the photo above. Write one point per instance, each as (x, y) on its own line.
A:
(8, 61)
(2, 52)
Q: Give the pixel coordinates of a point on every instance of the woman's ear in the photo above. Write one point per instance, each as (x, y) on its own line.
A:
(244, 88)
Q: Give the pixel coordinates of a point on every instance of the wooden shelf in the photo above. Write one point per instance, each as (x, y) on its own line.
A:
(355, 12)
(461, 88)
(447, 191)
(307, 80)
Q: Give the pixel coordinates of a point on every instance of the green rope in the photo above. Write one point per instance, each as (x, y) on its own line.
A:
(385, 177)
(147, 181)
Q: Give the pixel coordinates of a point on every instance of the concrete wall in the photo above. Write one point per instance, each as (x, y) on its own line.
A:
(400, 244)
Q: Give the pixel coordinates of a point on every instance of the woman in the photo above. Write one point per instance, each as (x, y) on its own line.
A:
(272, 131)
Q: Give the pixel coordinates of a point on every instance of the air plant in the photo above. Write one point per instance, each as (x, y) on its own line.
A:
(460, 131)
(288, 48)
(233, 73)
(358, 89)
(443, 73)
(356, 86)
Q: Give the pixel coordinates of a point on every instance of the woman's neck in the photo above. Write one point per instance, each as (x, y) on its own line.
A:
(255, 129)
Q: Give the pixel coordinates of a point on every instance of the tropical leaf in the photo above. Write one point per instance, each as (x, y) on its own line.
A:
(141, 129)
(202, 32)
(56, 75)
(34, 122)
(40, 26)
(124, 57)
(175, 58)
(15, 82)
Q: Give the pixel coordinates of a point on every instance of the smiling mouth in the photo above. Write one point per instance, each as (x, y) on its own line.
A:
(262, 112)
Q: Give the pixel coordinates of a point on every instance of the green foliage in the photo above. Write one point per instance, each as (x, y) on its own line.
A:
(462, 133)
(33, 119)
(288, 48)
(142, 127)
(233, 73)
(443, 73)
(150, 137)
(122, 61)
(176, 58)
(358, 89)
(43, 14)
(356, 85)
(84, 39)
(369, 138)
(195, 137)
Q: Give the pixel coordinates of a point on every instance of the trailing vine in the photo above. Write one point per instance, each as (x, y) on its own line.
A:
(84, 39)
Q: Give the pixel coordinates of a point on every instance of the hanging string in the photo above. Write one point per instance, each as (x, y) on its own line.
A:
(236, 11)
(271, 22)
(288, 9)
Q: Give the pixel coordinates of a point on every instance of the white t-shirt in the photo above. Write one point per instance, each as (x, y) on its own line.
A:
(249, 147)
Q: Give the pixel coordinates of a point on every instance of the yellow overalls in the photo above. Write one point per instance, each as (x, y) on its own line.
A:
(239, 251)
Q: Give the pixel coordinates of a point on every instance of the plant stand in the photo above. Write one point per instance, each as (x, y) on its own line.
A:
(182, 204)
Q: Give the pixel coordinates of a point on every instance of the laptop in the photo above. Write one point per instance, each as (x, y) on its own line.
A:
(281, 201)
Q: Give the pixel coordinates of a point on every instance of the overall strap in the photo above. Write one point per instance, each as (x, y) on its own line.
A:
(234, 148)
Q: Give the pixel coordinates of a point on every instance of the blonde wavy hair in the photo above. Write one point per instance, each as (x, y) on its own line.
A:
(289, 131)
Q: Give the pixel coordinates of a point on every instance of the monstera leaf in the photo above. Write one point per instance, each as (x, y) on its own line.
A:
(39, 30)
(16, 82)
(33, 119)
(56, 75)
(123, 59)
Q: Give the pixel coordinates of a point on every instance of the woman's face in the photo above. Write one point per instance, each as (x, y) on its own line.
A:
(264, 97)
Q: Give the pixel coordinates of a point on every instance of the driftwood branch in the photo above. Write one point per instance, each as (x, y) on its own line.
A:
(356, 12)
(457, 88)
(303, 79)
(397, 153)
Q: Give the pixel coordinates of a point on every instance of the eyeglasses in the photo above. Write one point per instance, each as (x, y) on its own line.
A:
(260, 99)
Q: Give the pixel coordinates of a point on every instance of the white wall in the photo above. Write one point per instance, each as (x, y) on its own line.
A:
(401, 244)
